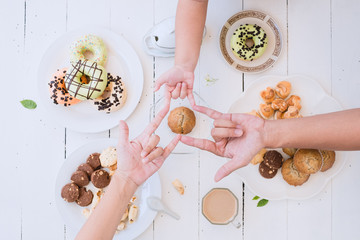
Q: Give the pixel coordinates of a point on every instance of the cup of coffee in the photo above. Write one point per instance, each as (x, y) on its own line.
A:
(220, 206)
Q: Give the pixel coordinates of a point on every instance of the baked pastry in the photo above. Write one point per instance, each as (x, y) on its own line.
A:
(283, 89)
(100, 178)
(268, 95)
(70, 192)
(108, 157)
(294, 100)
(289, 151)
(273, 159)
(308, 160)
(328, 159)
(254, 113)
(266, 110)
(278, 115)
(85, 197)
(266, 171)
(292, 112)
(80, 178)
(291, 175)
(86, 168)
(181, 120)
(259, 157)
(94, 161)
(279, 104)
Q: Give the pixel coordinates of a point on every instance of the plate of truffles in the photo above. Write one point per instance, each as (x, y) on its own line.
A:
(89, 79)
(83, 180)
(250, 41)
(288, 173)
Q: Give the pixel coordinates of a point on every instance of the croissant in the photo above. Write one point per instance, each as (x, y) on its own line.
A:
(279, 104)
(279, 115)
(283, 89)
(268, 95)
(292, 112)
(294, 100)
(266, 110)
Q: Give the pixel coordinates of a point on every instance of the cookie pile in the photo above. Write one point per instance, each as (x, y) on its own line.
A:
(86, 172)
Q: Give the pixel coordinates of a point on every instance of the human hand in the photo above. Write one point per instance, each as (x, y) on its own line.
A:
(237, 136)
(178, 82)
(140, 158)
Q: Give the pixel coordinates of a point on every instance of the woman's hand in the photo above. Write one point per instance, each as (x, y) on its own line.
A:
(178, 82)
(237, 136)
(140, 158)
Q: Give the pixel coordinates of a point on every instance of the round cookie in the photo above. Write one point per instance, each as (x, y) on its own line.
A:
(291, 175)
(266, 171)
(308, 160)
(289, 151)
(80, 178)
(70, 192)
(94, 160)
(181, 120)
(85, 167)
(108, 157)
(328, 158)
(273, 159)
(85, 197)
(100, 178)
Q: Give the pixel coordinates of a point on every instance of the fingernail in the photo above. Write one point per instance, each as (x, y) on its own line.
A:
(238, 126)
(143, 153)
(238, 132)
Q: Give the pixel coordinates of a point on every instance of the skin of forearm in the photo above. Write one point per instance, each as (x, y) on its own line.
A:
(332, 131)
(190, 22)
(104, 220)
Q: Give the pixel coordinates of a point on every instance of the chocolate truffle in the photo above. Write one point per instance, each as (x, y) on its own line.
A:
(85, 197)
(94, 161)
(100, 178)
(70, 192)
(80, 178)
(86, 168)
(273, 159)
(266, 171)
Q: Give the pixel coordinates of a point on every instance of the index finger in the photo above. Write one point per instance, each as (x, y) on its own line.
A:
(150, 129)
(191, 98)
(208, 111)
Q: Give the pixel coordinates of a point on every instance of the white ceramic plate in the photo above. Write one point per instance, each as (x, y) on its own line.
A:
(201, 129)
(122, 61)
(272, 51)
(314, 100)
(72, 213)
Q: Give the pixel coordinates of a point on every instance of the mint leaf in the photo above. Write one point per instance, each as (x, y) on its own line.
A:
(29, 104)
(256, 198)
(262, 202)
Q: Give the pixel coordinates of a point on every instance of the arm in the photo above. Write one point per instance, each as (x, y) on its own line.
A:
(332, 131)
(103, 221)
(190, 22)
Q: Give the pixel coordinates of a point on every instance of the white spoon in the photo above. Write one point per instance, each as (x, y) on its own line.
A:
(156, 204)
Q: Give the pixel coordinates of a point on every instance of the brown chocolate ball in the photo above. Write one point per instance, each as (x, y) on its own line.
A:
(70, 192)
(100, 178)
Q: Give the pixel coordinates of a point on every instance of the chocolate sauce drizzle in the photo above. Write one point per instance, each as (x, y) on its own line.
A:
(94, 81)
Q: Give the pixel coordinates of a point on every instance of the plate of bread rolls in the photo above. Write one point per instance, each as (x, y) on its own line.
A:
(288, 173)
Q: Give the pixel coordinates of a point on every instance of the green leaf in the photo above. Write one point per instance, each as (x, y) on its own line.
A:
(262, 202)
(210, 80)
(256, 198)
(29, 104)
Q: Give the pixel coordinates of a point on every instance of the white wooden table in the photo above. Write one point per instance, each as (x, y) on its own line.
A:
(321, 40)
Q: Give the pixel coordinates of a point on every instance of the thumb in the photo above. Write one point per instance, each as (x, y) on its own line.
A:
(123, 132)
(229, 167)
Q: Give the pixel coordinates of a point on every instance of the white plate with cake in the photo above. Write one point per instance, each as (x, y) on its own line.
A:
(75, 216)
(314, 100)
(122, 61)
